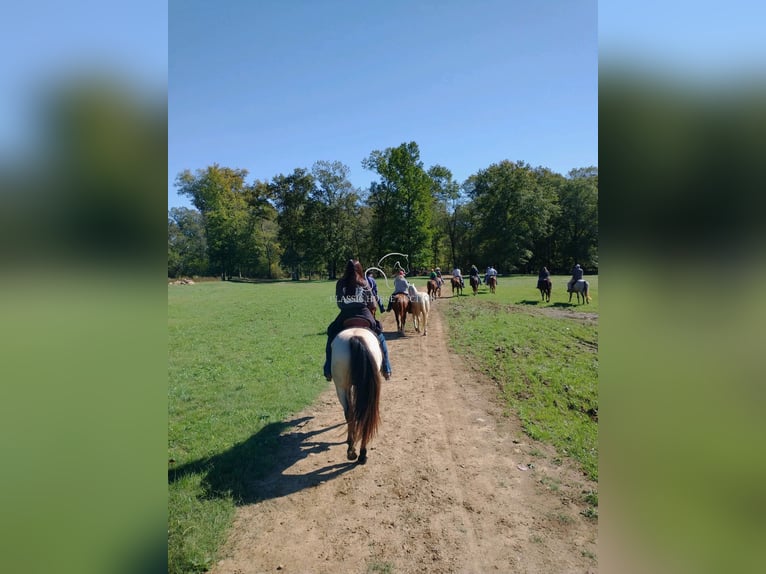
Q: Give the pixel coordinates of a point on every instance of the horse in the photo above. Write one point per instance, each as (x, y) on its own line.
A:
(400, 304)
(492, 282)
(356, 363)
(433, 288)
(420, 307)
(456, 286)
(544, 285)
(474, 283)
(581, 288)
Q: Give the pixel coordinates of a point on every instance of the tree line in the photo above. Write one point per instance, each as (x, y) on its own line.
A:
(510, 214)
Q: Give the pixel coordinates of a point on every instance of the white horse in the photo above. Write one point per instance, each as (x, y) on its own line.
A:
(356, 362)
(581, 288)
(420, 307)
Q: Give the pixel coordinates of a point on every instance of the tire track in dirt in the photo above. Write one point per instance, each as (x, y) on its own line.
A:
(442, 490)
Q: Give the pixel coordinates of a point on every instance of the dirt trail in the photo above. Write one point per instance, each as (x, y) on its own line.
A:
(442, 490)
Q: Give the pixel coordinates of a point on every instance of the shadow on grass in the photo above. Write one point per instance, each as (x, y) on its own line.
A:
(564, 304)
(529, 302)
(255, 469)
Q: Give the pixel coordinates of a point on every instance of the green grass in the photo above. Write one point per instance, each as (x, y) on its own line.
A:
(242, 359)
(380, 568)
(545, 365)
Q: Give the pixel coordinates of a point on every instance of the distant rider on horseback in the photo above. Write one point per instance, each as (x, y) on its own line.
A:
(577, 273)
(542, 276)
(475, 273)
(456, 273)
(400, 286)
(491, 272)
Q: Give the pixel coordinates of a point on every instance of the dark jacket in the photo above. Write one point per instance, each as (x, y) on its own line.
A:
(355, 301)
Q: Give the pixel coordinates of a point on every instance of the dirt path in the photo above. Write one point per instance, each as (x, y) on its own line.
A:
(442, 491)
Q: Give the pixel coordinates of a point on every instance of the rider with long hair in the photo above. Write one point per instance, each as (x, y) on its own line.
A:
(475, 273)
(355, 299)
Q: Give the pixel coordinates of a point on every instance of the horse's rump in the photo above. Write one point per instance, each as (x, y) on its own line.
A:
(400, 303)
(420, 307)
(356, 363)
(433, 288)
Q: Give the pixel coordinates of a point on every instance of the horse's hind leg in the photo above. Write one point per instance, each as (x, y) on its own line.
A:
(362, 455)
(350, 452)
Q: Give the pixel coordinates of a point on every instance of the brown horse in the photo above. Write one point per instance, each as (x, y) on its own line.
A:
(544, 285)
(492, 282)
(474, 283)
(400, 305)
(456, 286)
(433, 288)
(356, 361)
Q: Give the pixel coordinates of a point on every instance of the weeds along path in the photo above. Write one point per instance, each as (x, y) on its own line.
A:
(444, 488)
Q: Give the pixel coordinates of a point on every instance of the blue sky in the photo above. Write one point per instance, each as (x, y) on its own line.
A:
(271, 86)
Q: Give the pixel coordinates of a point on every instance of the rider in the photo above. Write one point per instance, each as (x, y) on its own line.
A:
(374, 288)
(439, 277)
(491, 272)
(542, 276)
(355, 300)
(456, 273)
(577, 273)
(400, 286)
(475, 273)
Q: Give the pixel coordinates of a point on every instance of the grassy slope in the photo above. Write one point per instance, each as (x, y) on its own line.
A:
(545, 365)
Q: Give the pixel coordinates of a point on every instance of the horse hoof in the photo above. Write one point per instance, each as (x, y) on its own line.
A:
(362, 457)
(351, 455)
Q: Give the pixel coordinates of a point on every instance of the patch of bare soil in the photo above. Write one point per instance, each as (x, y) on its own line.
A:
(451, 484)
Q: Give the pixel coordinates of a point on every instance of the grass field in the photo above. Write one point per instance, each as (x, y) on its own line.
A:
(544, 362)
(244, 357)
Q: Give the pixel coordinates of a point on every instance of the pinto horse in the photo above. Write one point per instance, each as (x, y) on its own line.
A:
(580, 287)
(356, 362)
(474, 283)
(434, 288)
(420, 307)
(456, 286)
(400, 304)
(544, 285)
(492, 282)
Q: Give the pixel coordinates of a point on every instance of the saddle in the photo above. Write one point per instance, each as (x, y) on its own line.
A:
(356, 322)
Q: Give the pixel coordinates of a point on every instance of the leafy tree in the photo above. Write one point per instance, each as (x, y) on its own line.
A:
(516, 208)
(187, 246)
(332, 213)
(220, 194)
(264, 230)
(401, 202)
(291, 194)
(577, 225)
(446, 194)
